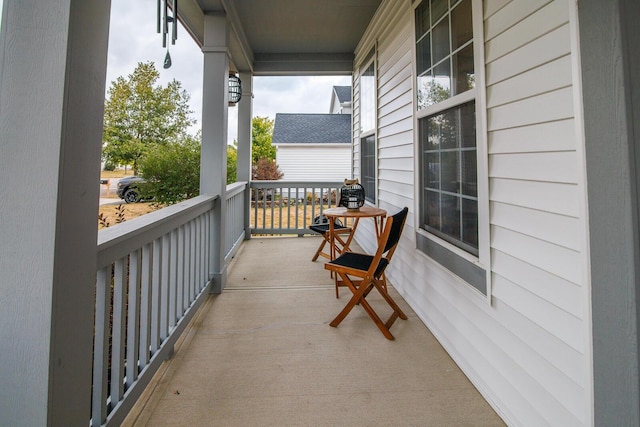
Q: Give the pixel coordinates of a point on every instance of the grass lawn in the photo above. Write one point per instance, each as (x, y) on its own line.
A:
(129, 211)
(110, 214)
(118, 173)
(285, 216)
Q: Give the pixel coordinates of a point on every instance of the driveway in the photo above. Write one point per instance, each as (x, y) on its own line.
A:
(108, 194)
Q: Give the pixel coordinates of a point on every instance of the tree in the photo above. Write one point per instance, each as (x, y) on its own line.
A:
(263, 154)
(431, 92)
(232, 162)
(139, 114)
(172, 171)
(261, 136)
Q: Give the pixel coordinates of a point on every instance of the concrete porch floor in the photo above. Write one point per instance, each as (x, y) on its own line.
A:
(263, 354)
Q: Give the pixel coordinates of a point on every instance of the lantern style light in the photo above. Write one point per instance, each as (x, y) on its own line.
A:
(351, 195)
(235, 89)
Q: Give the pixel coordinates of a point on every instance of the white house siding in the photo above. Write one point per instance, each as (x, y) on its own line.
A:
(314, 162)
(355, 122)
(528, 352)
(537, 244)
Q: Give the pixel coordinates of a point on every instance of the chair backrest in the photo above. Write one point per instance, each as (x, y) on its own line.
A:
(397, 225)
(388, 241)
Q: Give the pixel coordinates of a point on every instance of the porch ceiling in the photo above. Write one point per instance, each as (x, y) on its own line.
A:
(281, 37)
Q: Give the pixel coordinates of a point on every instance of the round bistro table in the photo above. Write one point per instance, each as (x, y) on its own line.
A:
(332, 214)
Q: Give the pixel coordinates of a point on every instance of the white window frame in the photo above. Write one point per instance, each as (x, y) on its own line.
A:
(483, 260)
(365, 133)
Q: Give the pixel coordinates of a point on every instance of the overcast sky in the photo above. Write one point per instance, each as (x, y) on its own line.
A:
(133, 39)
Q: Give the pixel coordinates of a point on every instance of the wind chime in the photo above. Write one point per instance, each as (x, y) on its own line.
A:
(163, 25)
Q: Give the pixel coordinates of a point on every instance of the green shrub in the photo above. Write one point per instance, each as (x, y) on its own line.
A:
(232, 163)
(172, 172)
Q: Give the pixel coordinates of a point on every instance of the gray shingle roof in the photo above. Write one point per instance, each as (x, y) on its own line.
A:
(343, 93)
(312, 129)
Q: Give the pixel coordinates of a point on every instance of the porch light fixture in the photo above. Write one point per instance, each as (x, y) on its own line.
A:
(235, 89)
(351, 195)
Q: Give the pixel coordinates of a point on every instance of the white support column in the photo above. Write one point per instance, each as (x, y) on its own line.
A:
(213, 164)
(53, 59)
(245, 114)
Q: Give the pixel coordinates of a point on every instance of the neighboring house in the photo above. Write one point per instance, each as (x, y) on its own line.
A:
(341, 100)
(509, 129)
(313, 147)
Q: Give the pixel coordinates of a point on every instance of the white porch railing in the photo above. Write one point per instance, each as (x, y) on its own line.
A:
(235, 231)
(155, 271)
(153, 274)
(290, 207)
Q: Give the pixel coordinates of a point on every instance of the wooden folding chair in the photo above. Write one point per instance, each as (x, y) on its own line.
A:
(321, 226)
(369, 273)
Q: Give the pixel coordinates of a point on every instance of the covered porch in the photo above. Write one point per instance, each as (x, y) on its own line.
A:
(245, 329)
(262, 353)
(86, 328)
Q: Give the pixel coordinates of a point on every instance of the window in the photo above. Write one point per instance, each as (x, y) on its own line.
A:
(368, 167)
(447, 140)
(368, 99)
(449, 193)
(444, 50)
(368, 149)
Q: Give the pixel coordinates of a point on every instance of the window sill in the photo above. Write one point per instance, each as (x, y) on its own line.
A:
(465, 266)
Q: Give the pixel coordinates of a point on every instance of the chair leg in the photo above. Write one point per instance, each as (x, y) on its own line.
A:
(384, 328)
(338, 241)
(383, 279)
(397, 312)
(352, 233)
(359, 297)
(356, 299)
(319, 251)
(352, 302)
(340, 244)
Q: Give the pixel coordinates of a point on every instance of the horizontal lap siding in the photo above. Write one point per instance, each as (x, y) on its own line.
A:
(503, 34)
(547, 47)
(314, 163)
(535, 181)
(526, 351)
(395, 115)
(355, 119)
(559, 167)
(539, 137)
(552, 197)
(394, 118)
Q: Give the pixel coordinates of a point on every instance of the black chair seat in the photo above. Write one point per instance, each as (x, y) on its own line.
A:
(360, 262)
(324, 228)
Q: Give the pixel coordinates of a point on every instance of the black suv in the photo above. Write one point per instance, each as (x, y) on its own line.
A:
(128, 189)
